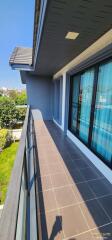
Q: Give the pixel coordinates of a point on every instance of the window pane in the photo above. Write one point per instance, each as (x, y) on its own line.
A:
(74, 103)
(85, 99)
(102, 128)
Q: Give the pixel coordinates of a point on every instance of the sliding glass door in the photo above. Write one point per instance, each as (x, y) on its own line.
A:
(81, 91)
(90, 111)
(85, 99)
(102, 126)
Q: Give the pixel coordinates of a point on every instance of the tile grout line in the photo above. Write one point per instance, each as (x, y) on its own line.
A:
(82, 212)
(89, 187)
(57, 188)
(98, 177)
(56, 205)
(79, 204)
(88, 231)
(80, 208)
(101, 205)
(104, 210)
(76, 204)
(71, 205)
(94, 179)
(70, 185)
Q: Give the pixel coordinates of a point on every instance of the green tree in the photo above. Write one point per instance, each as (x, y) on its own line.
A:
(21, 114)
(8, 113)
(13, 94)
(21, 98)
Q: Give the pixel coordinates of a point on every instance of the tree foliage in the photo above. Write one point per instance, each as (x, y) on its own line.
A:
(5, 138)
(10, 115)
(8, 112)
(21, 114)
(19, 98)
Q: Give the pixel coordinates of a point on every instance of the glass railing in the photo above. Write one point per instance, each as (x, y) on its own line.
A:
(19, 217)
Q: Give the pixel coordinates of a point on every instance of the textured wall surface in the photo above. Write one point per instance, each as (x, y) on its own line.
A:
(40, 95)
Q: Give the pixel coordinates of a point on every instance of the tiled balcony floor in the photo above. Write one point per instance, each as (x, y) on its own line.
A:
(75, 198)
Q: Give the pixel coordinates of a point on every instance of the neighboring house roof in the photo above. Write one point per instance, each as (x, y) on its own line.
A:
(21, 55)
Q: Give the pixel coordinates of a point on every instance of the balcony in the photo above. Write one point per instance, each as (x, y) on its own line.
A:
(55, 192)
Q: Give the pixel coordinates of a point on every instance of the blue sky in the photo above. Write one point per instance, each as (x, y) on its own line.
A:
(16, 29)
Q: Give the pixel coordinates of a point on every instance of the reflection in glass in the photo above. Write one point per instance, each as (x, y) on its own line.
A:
(74, 103)
(102, 128)
(85, 99)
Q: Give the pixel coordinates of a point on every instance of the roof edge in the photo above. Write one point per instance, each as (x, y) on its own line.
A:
(21, 58)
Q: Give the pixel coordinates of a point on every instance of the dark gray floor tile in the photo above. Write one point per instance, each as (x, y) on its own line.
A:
(76, 176)
(89, 174)
(60, 179)
(94, 214)
(96, 170)
(108, 185)
(75, 154)
(55, 168)
(47, 201)
(106, 202)
(103, 233)
(80, 164)
(84, 192)
(70, 165)
(73, 221)
(65, 196)
(100, 187)
(51, 224)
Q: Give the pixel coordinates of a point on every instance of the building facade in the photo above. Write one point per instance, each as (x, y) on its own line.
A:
(68, 77)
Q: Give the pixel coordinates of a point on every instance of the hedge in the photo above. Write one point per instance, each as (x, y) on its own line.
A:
(5, 138)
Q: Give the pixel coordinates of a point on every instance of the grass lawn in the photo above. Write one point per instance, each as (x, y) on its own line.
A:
(7, 158)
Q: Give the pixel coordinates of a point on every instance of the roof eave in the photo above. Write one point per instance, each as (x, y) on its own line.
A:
(22, 67)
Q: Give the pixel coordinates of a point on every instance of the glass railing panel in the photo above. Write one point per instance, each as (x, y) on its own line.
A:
(21, 220)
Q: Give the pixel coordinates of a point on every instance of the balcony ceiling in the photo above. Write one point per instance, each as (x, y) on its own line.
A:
(90, 18)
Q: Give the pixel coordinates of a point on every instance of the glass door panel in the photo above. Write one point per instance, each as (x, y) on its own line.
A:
(102, 127)
(74, 102)
(85, 100)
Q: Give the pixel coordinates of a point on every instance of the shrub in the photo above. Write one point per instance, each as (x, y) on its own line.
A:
(8, 113)
(5, 138)
(21, 114)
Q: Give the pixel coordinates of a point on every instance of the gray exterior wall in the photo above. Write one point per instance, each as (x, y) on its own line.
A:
(40, 95)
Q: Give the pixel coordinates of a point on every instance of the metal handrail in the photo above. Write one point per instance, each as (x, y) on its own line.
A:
(9, 216)
(35, 154)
